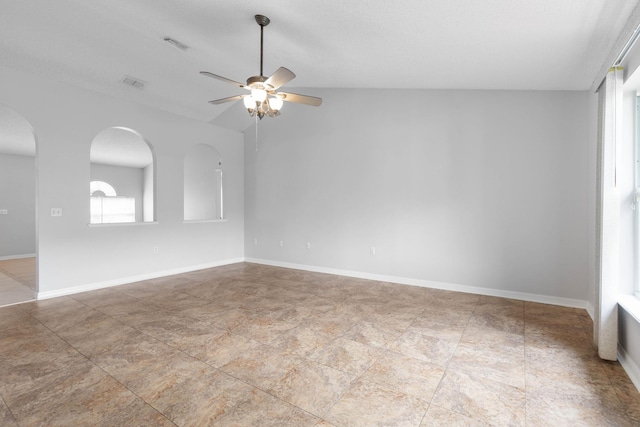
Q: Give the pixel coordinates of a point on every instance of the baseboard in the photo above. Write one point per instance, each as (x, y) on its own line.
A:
(544, 299)
(629, 366)
(132, 279)
(8, 257)
(591, 310)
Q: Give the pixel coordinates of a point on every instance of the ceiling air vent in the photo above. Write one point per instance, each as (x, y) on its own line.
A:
(133, 81)
(176, 43)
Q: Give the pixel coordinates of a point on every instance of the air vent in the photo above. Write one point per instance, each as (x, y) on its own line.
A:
(133, 81)
(176, 43)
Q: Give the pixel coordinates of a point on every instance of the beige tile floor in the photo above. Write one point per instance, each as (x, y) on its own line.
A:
(248, 345)
(17, 280)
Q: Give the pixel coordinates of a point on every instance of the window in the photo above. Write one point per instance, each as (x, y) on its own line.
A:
(121, 158)
(107, 208)
(203, 196)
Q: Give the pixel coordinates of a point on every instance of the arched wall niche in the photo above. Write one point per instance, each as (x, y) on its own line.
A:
(18, 202)
(125, 160)
(203, 184)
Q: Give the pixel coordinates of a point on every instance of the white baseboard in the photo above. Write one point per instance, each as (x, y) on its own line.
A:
(591, 311)
(629, 366)
(545, 299)
(132, 279)
(8, 257)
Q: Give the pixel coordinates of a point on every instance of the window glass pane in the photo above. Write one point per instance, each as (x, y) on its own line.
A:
(112, 210)
(96, 210)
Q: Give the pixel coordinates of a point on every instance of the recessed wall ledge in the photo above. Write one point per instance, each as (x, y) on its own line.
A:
(631, 304)
(197, 221)
(123, 224)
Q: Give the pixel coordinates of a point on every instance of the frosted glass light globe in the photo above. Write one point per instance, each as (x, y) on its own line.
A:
(249, 102)
(276, 103)
(259, 95)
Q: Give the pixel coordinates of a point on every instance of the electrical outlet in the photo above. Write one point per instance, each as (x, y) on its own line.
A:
(4, 212)
(56, 211)
(372, 250)
(308, 245)
(281, 243)
(156, 249)
(255, 242)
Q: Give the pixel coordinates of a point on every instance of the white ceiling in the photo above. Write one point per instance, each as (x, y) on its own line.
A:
(462, 44)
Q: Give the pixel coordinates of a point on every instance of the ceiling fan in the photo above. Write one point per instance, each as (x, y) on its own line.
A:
(263, 98)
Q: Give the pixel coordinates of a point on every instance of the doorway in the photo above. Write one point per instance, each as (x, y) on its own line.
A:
(18, 261)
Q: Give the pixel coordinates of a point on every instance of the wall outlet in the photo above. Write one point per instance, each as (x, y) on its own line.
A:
(56, 211)
(255, 242)
(372, 250)
(156, 249)
(4, 212)
(308, 245)
(281, 243)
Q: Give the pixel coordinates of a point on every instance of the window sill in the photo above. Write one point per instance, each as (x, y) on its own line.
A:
(631, 305)
(197, 221)
(122, 224)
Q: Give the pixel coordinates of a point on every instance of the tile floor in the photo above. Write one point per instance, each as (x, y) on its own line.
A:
(249, 345)
(17, 280)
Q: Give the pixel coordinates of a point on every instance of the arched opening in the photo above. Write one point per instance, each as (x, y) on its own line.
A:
(18, 244)
(203, 195)
(122, 184)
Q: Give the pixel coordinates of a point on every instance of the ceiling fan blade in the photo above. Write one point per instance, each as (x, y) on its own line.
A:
(227, 99)
(300, 99)
(224, 79)
(280, 77)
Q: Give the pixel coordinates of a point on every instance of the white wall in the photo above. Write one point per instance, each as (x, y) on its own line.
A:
(487, 189)
(18, 197)
(72, 254)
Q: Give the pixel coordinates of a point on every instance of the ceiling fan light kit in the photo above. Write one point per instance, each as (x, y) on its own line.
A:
(263, 100)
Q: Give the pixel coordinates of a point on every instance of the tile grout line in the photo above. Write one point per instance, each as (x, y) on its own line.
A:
(9, 409)
(446, 368)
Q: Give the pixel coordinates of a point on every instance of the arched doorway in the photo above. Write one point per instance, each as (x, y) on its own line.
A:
(18, 245)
